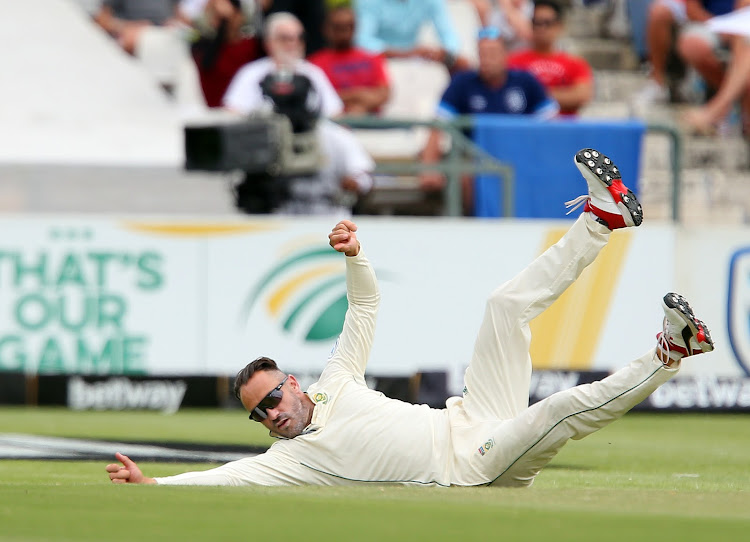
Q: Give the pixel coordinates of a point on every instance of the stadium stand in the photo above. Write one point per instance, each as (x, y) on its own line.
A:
(714, 170)
(416, 97)
(89, 129)
(113, 142)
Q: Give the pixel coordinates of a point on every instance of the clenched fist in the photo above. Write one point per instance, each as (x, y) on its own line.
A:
(343, 239)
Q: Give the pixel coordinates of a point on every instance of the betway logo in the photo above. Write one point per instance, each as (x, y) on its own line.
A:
(707, 392)
(123, 394)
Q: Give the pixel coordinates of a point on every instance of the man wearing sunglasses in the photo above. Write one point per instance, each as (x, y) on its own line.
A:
(340, 432)
(491, 89)
(567, 78)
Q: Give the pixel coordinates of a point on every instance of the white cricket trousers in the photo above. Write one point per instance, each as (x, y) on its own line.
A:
(497, 437)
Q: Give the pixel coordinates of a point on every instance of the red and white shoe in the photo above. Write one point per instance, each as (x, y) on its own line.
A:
(613, 203)
(683, 334)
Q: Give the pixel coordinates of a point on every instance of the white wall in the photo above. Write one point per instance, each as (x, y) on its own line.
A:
(71, 96)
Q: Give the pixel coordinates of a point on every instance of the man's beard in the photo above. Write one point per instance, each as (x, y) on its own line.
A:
(297, 421)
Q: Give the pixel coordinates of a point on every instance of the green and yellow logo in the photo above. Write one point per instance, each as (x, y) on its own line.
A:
(566, 335)
(294, 290)
(321, 398)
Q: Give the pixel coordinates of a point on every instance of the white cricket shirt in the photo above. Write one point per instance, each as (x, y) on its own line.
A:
(356, 434)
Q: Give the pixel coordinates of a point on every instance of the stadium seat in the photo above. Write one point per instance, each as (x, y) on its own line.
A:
(411, 98)
(165, 54)
(417, 97)
(124, 119)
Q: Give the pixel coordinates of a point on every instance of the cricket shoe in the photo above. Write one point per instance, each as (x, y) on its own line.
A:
(613, 203)
(683, 334)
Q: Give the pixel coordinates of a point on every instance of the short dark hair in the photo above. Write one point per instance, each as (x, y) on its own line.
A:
(552, 5)
(260, 364)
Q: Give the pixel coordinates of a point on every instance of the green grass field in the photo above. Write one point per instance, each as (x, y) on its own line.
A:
(647, 477)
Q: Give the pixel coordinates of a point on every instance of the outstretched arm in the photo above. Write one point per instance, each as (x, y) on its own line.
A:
(267, 469)
(127, 473)
(353, 347)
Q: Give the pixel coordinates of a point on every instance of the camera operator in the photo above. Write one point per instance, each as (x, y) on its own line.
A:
(283, 39)
(300, 92)
(344, 176)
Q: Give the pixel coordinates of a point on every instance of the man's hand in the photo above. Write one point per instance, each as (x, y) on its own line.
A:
(343, 239)
(127, 473)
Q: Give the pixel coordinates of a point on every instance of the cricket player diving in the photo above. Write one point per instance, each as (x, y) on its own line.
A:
(340, 432)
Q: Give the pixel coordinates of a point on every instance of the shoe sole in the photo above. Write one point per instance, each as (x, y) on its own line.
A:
(679, 306)
(597, 167)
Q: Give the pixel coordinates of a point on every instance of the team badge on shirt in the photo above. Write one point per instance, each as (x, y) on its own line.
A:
(477, 102)
(320, 397)
(515, 99)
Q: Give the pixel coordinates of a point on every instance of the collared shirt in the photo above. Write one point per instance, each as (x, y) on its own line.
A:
(521, 94)
(356, 435)
(395, 24)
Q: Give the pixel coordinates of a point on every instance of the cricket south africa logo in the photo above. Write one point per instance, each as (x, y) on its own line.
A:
(305, 293)
(738, 307)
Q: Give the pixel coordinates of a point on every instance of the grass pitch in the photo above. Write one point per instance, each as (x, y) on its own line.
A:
(651, 477)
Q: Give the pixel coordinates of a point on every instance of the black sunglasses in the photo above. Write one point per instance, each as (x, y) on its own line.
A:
(272, 400)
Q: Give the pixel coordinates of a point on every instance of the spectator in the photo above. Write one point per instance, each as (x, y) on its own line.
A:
(734, 86)
(125, 20)
(195, 11)
(358, 76)
(156, 32)
(512, 17)
(283, 38)
(346, 167)
(665, 19)
(704, 50)
(490, 89)
(391, 28)
(222, 48)
(311, 14)
(568, 79)
(325, 168)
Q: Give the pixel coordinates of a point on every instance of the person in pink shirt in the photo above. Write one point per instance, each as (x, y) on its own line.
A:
(567, 78)
(359, 77)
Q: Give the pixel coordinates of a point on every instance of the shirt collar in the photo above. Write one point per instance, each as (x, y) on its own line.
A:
(319, 415)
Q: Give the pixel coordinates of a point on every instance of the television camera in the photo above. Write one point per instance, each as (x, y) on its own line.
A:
(271, 147)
